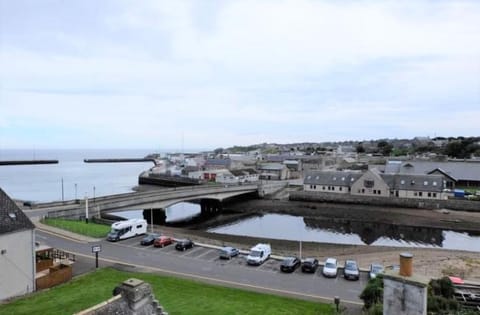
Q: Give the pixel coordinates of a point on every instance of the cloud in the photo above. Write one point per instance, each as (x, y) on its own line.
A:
(237, 72)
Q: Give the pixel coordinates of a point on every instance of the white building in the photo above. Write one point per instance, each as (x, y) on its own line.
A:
(17, 250)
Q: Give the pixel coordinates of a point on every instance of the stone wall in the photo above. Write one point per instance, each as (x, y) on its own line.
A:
(404, 296)
(453, 204)
(132, 297)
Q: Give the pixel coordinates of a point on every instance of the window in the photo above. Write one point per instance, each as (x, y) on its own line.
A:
(318, 177)
(434, 195)
(434, 183)
(415, 194)
(314, 186)
(368, 183)
(309, 176)
(420, 194)
(402, 182)
(343, 178)
(374, 191)
(323, 188)
(429, 195)
(363, 190)
(379, 192)
(340, 188)
(425, 183)
(334, 178)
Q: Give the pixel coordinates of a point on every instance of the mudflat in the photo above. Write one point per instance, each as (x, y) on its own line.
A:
(429, 262)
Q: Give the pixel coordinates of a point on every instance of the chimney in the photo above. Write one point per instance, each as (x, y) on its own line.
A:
(406, 264)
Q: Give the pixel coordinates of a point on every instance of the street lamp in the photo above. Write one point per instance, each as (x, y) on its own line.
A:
(86, 208)
(93, 194)
(75, 191)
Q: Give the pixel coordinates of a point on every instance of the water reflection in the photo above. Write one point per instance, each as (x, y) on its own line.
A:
(288, 227)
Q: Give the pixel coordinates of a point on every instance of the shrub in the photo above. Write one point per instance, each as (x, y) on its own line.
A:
(373, 292)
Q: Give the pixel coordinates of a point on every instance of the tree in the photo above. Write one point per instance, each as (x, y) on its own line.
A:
(360, 148)
(384, 147)
(373, 292)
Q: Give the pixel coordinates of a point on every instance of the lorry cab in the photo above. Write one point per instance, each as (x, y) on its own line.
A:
(259, 254)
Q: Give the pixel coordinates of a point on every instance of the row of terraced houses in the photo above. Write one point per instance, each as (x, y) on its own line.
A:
(421, 180)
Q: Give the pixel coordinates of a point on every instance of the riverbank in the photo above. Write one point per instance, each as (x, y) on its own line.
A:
(429, 262)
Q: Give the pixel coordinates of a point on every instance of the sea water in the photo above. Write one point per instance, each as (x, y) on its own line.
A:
(71, 178)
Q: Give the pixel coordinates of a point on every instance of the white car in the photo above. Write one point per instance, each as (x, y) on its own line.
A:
(330, 269)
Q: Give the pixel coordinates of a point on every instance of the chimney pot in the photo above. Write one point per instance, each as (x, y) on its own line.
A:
(406, 264)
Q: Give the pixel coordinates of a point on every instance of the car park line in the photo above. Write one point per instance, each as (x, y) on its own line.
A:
(209, 251)
(188, 253)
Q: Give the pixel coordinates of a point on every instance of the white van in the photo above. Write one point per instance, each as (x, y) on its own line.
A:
(128, 228)
(258, 254)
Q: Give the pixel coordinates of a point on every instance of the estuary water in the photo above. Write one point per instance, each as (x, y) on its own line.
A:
(43, 183)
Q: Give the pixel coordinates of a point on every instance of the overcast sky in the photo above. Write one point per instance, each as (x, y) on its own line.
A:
(206, 74)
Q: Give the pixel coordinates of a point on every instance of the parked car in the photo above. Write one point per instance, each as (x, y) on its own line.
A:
(375, 269)
(289, 264)
(350, 270)
(330, 269)
(184, 244)
(149, 239)
(228, 252)
(163, 241)
(310, 265)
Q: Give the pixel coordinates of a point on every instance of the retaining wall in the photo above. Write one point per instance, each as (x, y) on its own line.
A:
(453, 204)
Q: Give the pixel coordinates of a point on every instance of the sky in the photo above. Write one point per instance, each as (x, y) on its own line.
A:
(208, 74)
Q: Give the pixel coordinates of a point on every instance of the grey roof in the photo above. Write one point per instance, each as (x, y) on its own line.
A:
(220, 162)
(457, 170)
(243, 171)
(430, 183)
(12, 218)
(271, 167)
(331, 178)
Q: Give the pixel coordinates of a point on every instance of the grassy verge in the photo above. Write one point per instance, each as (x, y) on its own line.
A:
(80, 227)
(177, 296)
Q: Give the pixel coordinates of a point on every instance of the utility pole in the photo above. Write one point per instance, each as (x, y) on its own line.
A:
(86, 208)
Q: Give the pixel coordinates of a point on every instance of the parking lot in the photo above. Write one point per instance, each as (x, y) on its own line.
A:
(210, 255)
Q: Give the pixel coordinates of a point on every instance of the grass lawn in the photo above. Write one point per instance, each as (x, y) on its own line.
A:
(80, 227)
(177, 296)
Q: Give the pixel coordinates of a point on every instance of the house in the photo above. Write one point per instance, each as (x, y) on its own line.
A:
(330, 181)
(456, 173)
(273, 171)
(420, 186)
(416, 186)
(238, 176)
(17, 250)
(376, 184)
(371, 183)
(216, 164)
(209, 175)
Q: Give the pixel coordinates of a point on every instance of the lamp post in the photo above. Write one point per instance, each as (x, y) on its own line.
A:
(86, 208)
(75, 191)
(93, 194)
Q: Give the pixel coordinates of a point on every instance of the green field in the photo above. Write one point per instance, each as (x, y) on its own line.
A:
(177, 296)
(80, 227)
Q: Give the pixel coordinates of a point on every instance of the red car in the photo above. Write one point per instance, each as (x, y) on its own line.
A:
(163, 241)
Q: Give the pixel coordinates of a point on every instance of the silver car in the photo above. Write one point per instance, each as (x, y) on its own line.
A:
(228, 252)
(350, 270)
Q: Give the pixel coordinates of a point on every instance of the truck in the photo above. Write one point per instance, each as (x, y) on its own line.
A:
(127, 228)
(259, 254)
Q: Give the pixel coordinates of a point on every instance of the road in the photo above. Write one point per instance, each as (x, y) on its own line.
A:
(203, 263)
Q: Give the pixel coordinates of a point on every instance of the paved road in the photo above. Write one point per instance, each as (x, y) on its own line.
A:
(203, 263)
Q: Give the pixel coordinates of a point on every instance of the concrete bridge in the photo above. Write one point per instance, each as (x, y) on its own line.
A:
(210, 196)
